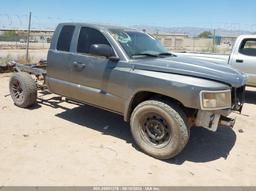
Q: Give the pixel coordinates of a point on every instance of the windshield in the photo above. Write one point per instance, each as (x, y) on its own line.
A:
(137, 43)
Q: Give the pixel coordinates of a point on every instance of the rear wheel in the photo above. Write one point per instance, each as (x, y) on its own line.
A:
(159, 128)
(23, 89)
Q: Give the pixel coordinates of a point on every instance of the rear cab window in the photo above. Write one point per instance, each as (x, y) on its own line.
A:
(248, 47)
(65, 38)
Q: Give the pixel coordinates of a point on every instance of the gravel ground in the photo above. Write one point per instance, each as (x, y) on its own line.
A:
(62, 144)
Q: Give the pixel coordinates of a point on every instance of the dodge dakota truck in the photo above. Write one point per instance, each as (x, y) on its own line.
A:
(242, 57)
(130, 73)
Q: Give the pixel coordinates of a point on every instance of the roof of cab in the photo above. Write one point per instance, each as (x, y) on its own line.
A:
(248, 36)
(98, 26)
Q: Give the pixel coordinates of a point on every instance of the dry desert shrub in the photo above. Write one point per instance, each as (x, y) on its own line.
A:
(6, 59)
(20, 59)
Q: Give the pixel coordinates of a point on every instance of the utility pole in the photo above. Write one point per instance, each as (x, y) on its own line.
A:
(213, 40)
(28, 36)
(194, 43)
(174, 42)
(16, 39)
(157, 34)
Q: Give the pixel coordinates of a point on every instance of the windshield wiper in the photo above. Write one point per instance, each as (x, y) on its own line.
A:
(144, 54)
(153, 55)
(166, 54)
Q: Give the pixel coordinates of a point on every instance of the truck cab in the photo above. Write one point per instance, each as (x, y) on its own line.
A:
(243, 57)
(76, 70)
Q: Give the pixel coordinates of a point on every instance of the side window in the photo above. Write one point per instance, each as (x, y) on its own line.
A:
(65, 38)
(248, 47)
(88, 37)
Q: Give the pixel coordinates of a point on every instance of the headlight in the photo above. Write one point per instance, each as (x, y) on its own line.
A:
(212, 100)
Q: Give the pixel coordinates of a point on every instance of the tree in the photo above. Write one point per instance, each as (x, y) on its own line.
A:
(205, 34)
(10, 34)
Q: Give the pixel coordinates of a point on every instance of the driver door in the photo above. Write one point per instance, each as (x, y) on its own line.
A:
(91, 73)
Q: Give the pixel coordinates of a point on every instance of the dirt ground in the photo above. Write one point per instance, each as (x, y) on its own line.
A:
(62, 144)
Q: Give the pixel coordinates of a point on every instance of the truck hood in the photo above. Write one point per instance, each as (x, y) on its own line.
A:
(193, 67)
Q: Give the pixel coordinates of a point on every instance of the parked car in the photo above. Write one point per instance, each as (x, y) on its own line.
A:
(130, 73)
(242, 57)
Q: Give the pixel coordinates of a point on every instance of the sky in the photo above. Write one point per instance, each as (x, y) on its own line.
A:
(229, 14)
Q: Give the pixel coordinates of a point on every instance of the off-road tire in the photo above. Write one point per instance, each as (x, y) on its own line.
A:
(23, 84)
(175, 119)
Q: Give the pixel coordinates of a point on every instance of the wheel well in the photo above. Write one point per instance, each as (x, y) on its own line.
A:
(144, 96)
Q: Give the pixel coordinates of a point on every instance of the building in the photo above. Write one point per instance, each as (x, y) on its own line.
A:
(172, 41)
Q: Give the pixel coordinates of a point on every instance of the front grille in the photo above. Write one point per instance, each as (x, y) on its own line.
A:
(238, 98)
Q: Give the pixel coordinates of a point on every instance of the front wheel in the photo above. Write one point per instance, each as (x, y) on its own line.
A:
(159, 128)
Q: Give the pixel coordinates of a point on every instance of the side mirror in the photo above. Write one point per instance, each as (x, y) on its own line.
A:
(102, 50)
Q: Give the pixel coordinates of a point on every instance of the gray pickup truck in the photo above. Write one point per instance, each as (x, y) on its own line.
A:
(128, 72)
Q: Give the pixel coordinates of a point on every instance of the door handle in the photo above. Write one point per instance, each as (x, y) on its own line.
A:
(79, 65)
(239, 61)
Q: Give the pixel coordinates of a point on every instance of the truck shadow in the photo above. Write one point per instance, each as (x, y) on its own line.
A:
(204, 146)
(105, 122)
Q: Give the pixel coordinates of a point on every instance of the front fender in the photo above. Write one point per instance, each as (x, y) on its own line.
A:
(184, 89)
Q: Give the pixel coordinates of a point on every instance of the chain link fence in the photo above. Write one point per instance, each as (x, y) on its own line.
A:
(16, 39)
(184, 43)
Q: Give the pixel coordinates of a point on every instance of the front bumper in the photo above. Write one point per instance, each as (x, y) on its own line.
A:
(212, 121)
